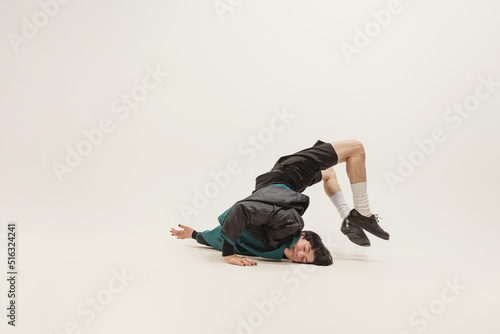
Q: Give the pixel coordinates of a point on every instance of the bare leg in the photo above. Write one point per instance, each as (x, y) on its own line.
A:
(330, 183)
(334, 193)
(352, 153)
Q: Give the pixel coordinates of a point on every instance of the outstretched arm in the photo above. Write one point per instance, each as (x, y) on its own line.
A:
(188, 232)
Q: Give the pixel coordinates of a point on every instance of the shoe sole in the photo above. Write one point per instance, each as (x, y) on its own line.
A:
(354, 237)
(353, 222)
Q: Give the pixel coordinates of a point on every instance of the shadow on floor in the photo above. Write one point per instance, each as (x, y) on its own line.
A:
(337, 257)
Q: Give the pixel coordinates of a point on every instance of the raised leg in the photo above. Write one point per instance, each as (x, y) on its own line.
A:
(330, 183)
(352, 153)
(334, 193)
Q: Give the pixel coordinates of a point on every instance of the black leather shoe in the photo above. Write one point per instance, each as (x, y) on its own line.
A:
(354, 233)
(369, 224)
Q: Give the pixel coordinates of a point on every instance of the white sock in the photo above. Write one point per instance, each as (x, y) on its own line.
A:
(339, 201)
(360, 198)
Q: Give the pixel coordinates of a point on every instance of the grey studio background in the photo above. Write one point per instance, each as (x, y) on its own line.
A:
(117, 117)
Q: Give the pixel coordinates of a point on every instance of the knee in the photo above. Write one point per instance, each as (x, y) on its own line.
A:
(358, 148)
(327, 174)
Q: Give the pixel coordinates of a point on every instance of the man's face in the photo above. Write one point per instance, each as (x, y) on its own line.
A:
(301, 251)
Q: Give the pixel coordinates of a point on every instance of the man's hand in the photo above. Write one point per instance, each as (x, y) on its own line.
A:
(182, 234)
(239, 261)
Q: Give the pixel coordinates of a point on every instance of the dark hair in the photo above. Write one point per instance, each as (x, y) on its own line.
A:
(322, 256)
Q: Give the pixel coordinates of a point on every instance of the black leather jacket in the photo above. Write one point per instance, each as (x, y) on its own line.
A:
(271, 214)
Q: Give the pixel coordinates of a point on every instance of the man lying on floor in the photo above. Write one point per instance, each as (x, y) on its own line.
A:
(269, 224)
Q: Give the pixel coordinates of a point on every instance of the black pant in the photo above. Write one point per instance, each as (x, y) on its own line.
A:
(301, 169)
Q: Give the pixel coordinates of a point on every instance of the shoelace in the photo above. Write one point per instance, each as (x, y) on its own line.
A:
(377, 217)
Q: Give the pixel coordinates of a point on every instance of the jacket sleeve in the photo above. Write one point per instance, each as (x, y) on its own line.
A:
(199, 238)
(243, 214)
(227, 248)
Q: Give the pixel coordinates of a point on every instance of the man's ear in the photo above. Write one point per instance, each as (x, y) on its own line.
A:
(302, 234)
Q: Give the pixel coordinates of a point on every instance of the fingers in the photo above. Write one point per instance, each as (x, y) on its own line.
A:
(243, 261)
(182, 234)
(176, 233)
(248, 262)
